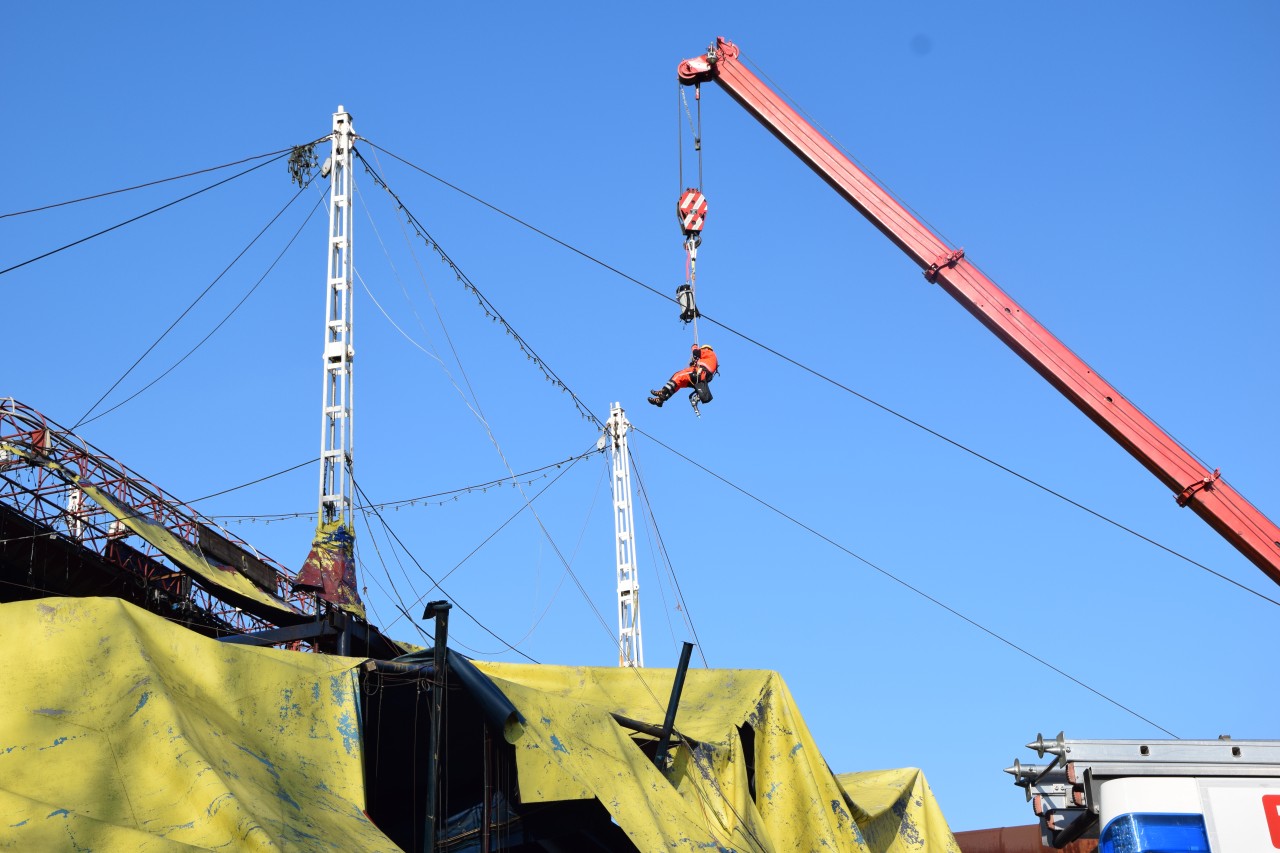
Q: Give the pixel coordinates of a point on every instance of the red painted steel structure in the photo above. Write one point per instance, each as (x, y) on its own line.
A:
(1225, 509)
(41, 494)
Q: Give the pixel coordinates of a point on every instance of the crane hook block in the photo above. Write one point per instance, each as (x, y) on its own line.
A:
(688, 308)
(692, 212)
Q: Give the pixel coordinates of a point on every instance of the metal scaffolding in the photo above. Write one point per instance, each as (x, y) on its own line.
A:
(630, 647)
(336, 436)
(44, 470)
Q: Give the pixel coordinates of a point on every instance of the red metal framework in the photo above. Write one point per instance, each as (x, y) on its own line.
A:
(46, 492)
(1225, 510)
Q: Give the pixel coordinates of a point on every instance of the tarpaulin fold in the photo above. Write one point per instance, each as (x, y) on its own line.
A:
(496, 707)
(224, 581)
(120, 731)
(330, 567)
(896, 810)
(231, 586)
(569, 746)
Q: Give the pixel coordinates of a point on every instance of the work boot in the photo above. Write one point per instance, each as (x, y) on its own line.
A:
(657, 401)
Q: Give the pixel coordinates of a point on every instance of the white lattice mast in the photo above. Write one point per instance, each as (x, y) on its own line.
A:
(630, 647)
(337, 423)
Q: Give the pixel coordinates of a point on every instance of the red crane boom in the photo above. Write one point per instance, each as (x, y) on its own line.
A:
(1226, 510)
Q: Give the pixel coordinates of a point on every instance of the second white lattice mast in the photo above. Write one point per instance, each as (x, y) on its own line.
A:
(630, 647)
(337, 423)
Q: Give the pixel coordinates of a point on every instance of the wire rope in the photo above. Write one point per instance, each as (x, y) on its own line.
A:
(489, 308)
(472, 403)
(139, 216)
(499, 529)
(666, 557)
(477, 410)
(85, 419)
(662, 589)
(403, 502)
(254, 483)
(492, 310)
(366, 602)
(152, 183)
(387, 573)
(391, 532)
(900, 581)
(885, 186)
(835, 383)
(563, 574)
(679, 144)
(697, 97)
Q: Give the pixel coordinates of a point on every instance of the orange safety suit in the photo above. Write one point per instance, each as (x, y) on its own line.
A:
(703, 365)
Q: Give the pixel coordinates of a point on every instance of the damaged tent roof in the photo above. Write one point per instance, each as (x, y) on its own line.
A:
(122, 731)
(746, 775)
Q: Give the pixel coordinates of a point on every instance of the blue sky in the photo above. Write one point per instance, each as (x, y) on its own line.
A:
(1111, 166)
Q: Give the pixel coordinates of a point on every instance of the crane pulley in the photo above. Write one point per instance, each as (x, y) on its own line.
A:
(1245, 527)
(692, 212)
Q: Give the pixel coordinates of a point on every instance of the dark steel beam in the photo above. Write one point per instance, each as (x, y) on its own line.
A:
(677, 687)
(290, 634)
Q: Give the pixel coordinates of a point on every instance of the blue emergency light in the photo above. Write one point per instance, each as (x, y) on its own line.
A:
(1155, 833)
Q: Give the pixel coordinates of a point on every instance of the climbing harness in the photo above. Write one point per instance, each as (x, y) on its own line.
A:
(701, 393)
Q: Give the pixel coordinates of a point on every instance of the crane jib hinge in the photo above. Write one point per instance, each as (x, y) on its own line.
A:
(950, 259)
(1184, 497)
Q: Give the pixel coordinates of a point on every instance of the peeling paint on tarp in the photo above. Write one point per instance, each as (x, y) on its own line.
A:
(222, 579)
(330, 567)
(897, 812)
(568, 746)
(120, 731)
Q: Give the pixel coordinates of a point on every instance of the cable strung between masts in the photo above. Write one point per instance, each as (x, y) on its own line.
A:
(489, 308)
(682, 604)
(85, 419)
(898, 580)
(400, 502)
(155, 182)
(139, 216)
(455, 602)
(822, 376)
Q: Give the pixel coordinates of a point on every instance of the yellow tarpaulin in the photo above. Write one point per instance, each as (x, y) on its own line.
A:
(896, 811)
(120, 731)
(330, 567)
(213, 576)
(569, 746)
(183, 554)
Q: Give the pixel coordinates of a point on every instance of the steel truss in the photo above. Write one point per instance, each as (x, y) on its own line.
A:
(47, 494)
(630, 644)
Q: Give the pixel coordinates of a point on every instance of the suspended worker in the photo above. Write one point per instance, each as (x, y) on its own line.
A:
(702, 366)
